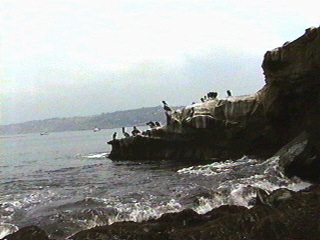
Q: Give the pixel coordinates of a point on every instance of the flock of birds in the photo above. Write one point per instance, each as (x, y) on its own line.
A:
(168, 111)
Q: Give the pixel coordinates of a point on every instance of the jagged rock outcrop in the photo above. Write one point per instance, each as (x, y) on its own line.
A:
(258, 124)
(216, 128)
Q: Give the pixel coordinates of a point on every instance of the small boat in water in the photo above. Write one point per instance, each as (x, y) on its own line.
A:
(96, 129)
(44, 133)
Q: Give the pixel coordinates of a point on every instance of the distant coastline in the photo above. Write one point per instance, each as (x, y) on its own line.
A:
(116, 119)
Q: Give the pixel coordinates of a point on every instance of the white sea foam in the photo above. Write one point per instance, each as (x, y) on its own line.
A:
(136, 212)
(207, 204)
(217, 167)
(240, 190)
(6, 229)
(143, 211)
(97, 155)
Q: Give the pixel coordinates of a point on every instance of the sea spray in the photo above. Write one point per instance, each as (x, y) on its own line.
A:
(240, 179)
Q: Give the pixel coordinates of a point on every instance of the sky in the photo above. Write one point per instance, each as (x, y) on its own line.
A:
(64, 58)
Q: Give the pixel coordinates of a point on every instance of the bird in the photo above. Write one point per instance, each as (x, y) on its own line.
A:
(212, 95)
(114, 135)
(125, 133)
(202, 99)
(158, 124)
(151, 124)
(135, 131)
(192, 112)
(166, 107)
(148, 133)
(229, 93)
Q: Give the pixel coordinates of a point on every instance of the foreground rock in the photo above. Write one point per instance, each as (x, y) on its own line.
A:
(28, 233)
(259, 124)
(285, 216)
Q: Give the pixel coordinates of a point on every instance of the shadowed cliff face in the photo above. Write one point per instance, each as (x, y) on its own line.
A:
(292, 83)
(258, 124)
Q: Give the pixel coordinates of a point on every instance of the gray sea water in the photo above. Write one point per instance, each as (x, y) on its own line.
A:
(64, 182)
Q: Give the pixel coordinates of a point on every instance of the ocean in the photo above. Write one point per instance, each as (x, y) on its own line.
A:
(63, 182)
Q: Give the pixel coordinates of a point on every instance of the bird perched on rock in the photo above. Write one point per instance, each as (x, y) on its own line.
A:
(212, 95)
(151, 124)
(135, 131)
(125, 133)
(166, 107)
(192, 112)
(114, 135)
(147, 133)
(229, 93)
(158, 124)
(202, 99)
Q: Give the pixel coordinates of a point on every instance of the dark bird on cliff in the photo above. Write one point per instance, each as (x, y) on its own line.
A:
(202, 99)
(229, 93)
(158, 124)
(151, 124)
(212, 95)
(192, 112)
(166, 107)
(114, 135)
(125, 133)
(148, 133)
(135, 131)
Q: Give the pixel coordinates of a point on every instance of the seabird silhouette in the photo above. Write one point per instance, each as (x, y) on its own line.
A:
(114, 135)
(135, 131)
(125, 133)
(151, 124)
(166, 107)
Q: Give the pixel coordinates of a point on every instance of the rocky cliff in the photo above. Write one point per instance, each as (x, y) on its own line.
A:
(259, 124)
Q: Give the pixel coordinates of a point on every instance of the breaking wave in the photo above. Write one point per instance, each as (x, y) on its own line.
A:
(240, 179)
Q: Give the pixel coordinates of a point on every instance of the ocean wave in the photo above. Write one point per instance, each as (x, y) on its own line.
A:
(6, 229)
(97, 156)
(241, 179)
(218, 167)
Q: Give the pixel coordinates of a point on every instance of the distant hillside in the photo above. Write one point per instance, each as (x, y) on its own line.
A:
(117, 119)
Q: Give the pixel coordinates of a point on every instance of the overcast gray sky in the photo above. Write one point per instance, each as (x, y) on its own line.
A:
(63, 58)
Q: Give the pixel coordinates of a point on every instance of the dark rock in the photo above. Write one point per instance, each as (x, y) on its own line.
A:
(273, 199)
(28, 233)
